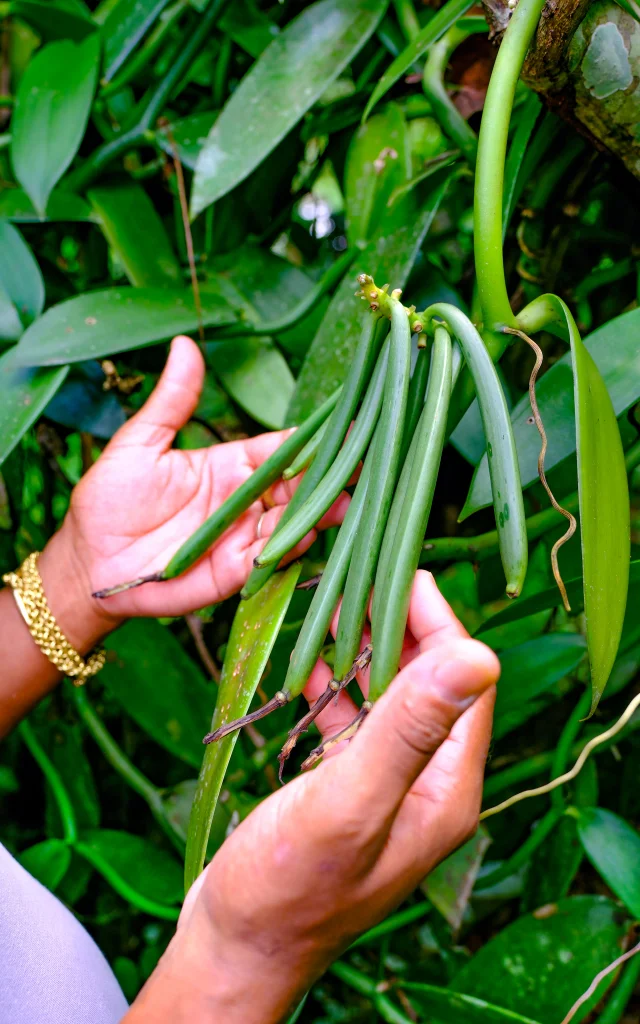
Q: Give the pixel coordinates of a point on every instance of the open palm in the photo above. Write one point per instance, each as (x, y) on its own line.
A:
(142, 499)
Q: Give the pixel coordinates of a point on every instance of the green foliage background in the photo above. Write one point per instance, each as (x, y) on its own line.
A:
(283, 178)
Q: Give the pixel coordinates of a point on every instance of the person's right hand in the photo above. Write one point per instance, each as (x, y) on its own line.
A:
(338, 848)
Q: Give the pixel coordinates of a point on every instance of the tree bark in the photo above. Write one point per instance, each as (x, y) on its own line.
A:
(585, 63)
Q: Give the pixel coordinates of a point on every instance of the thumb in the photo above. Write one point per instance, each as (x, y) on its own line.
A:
(173, 400)
(414, 717)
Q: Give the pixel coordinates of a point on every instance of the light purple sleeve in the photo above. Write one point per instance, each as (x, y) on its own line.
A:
(51, 971)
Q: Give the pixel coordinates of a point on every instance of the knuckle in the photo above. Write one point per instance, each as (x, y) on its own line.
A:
(424, 723)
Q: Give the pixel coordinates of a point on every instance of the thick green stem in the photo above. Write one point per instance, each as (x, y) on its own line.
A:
(367, 987)
(141, 132)
(562, 753)
(444, 110)
(121, 763)
(492, 150)
(53, 777)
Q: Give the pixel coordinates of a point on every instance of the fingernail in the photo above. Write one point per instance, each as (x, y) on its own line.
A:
(460, 680)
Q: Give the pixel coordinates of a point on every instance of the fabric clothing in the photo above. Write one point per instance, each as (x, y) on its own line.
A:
(51, 971)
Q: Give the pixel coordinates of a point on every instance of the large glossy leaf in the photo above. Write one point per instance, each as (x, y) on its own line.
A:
(540, 965)
(283, 84)
(443, 1006)
(47, 861)
(129, 862)
(432, 31)
(124, 27)
(389, 256)
(135, 232)
(10, 323)
(51, 112)
(101, 323)
(530, 669)
(20, 274)
(378, 161)
(257, 377)
(613, 847)
(151, 676)
(253, 634)
(604, 498)
(615, 351)
(24, 393)
(55, 19)
(16, 206)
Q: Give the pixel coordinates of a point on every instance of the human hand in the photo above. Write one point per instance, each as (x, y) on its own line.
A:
(332, 853)
(142, 499)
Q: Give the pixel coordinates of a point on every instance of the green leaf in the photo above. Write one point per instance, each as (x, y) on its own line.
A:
(389, 256)
(174, 712)
(16, 206)
(432, 31)
(64, 19)
(604, 497)
(378, 161)
(443, 1006)
(63, 743)
(10, 323)
(253, 634)
(530, 669)
(138, 871)
(189, 134)
(631, 7)
(20, 274)
(133, 228)
(256, 376)
(613, 847)
(450, 884)
(614, 348)
(47, 861)
(123, 29)
(248, 26)
(24, 393)
(550, 598)
(51, 113)
(283, 84)
(540, 965)
(99, 324)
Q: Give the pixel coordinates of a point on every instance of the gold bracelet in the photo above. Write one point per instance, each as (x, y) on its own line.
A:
(34, 608)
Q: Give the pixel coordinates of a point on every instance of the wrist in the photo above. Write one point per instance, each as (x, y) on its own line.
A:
(67, 588)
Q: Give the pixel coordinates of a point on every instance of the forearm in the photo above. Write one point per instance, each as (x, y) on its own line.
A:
(27, 675)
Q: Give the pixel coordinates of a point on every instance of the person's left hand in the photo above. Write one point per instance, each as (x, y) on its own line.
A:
(142, 499)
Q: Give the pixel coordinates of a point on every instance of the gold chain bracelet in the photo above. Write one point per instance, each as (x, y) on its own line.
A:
(30, 598)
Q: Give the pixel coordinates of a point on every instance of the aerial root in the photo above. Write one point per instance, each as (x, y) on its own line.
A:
(155, 577)
(333, 689)
(571, 529)
(278, 700)
(345, 734)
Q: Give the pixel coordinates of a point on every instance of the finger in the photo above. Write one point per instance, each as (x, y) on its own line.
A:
(258, 449)
(440, 813)
(415, 716)
(172, 402)
(283, 490)
(337, 715)
(269, 520)
(431, 619)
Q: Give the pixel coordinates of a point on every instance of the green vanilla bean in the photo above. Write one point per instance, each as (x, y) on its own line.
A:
(337, 477)
(237, 503)
(304, 458)
(328, 280)
(501, 448)
(389, 618)
(415, 400)
(325, 599)
(357, 378)
(384, 472)
(444, 110)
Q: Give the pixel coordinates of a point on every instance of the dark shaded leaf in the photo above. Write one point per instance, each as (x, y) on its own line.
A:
(135, 232)
(443, 1006)
(62, 19)
(134, 862)
(155, 681)
(20, 274)
(16, 206)
(47, 861)
(123, 28)
(450, 884)
(613, 847)
(83, 404)
(189, 134)
(248, 26)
